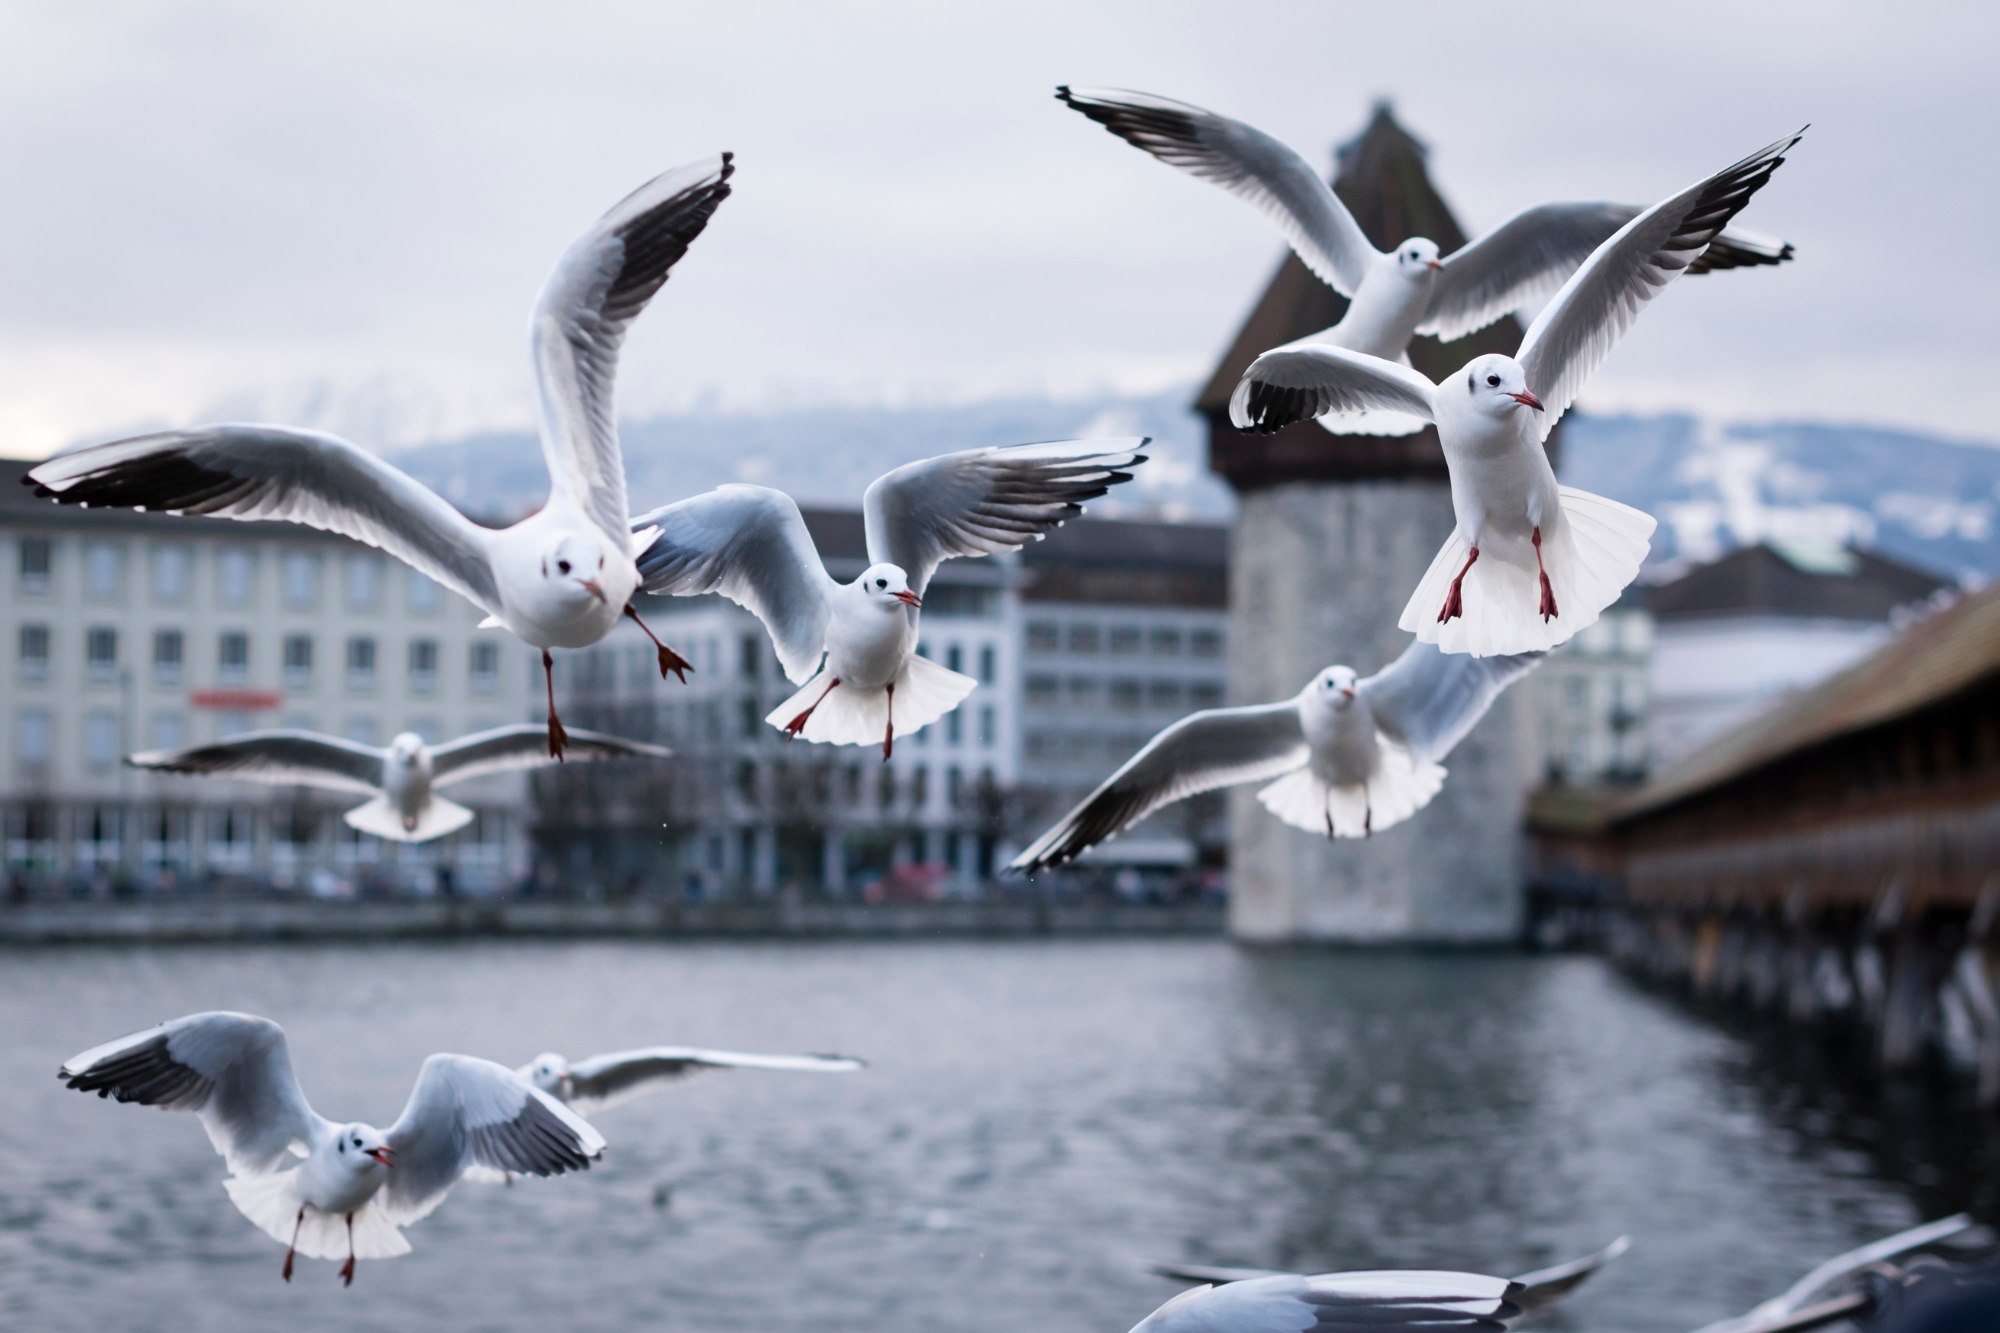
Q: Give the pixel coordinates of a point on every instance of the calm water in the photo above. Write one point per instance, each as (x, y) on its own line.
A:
(1042, 1119)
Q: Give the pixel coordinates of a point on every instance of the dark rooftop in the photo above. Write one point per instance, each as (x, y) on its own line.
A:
(1836, 583)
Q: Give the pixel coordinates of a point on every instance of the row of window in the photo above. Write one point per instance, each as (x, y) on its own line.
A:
(1122, 692)
(1046, 636)
(960, 787)
(232, 658)
(754, 653)
(170, 573)
(104, 740)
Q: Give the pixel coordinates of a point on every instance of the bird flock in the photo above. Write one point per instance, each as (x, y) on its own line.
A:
(1528, 563)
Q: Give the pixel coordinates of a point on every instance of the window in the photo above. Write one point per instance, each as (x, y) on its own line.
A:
(361, 730)
(364, 577)
(1163, 694)
(954, 726)
(169, 731)
(746, 781)
(1205, 694)
(167, 656)
(423, 665)
(104, 570)
(954, 785)
(100, 740)
(1166, 641)
(1125, 694)
(423, 594)
(954, 657)
(1125, 639)
(170, 573)
(427, 727)
(301, 579)
(232, 657)
(34, 652)
(361, 662)
(35, 563)
(1205, 642)
(485, 667)
(32, 736)
(1083, 691)
(298, 661)
(750, 651)
(1043, 637)
(989, 728)
(1083, 638)
(750, 719)
(231, 722)
(232, 576)
(986, 663)
(100, 652)
(1042, 690)
(920, 785)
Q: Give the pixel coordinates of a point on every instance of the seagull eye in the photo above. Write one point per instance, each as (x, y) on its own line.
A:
(881, 583)
(341, 1146)
(357, 1143)
(1493, 380)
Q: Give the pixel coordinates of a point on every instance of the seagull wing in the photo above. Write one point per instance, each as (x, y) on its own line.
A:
(750, 544)
(601, 1080)
(1578, 329)
(1544, 1288)
(1248, 163)
(467, 1112)
(277, 474)
(284, 758)
(984, 501)
(1527, 258)
(1212, 1275)
(598, 288)
(232, 1070)
(525, 745)
(1341, 1303)
(1296, 383)
(1218, 747)
(1428, 698)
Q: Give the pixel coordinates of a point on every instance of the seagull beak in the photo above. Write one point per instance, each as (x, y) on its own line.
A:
(383, 1155)
(593, 587)
(1527, 400)
(1433, 266)
(1347, 694)
(908, 598)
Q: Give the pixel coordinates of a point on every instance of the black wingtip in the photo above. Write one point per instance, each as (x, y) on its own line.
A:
(1064, 95)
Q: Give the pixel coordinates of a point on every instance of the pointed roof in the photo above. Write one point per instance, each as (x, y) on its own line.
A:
(1382, 178)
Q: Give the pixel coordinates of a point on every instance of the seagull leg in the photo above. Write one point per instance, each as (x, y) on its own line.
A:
(669, 659)
(798, 724)
(292, 1250)
(1367, 816)
(889, 736)
(1548, 607)
(1454, 601)
(558, 738)
(347, 1269)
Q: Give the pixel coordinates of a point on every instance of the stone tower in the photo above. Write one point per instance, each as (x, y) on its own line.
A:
(1332, 533)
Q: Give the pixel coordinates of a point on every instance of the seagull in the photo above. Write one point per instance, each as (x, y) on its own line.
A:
(1539, 1291)
(852, 646)
(598, 1081)
(1341, 1303)
(235, 1072)
(1529, 562)
(1344, 755)
(403, 779)
(1829, 1278)
(560, 578)
(1409, 289)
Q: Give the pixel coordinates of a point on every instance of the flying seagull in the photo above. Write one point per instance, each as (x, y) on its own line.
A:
(560, 578)
(852, 646)
(326, 1188)
(1341, 1303)
(1410, 288)
(1344, 755)
(597, 1081)
(1530, 562)
(1831, 1278)
(403, 779)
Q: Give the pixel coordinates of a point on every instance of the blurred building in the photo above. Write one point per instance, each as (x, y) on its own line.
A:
(127, 631)
(1732, 637)
(1593, 697)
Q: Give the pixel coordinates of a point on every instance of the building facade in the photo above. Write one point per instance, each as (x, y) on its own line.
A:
(1594, 698)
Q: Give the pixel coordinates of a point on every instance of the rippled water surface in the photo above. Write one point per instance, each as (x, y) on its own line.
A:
(1042, 1119)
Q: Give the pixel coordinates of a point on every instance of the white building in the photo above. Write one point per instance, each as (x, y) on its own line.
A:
(125, 631)
(1592, 699)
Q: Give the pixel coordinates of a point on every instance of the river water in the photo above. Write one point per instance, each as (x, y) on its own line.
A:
(1040, 1121)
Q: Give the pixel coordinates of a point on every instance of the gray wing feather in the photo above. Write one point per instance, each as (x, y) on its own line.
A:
(984, 501)
(232, 1070)
(750, 544)
(526, 745)
(1341, 1303)
(1214, 748)
(599, 286)
(467, 1112)
(305, 758)
(1429, 699)
(1248, 163)
(275, 474)
(601, 1080)
(1297, 383)
(1577, 330)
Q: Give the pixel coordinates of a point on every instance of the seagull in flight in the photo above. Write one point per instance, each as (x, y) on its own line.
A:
(852, 646)
(1409, 289)
(1529, 563)
(560, 578)
(598, 1081)
(403, 779)
(1428, 1302)
(1344, 756)
(322, 1188)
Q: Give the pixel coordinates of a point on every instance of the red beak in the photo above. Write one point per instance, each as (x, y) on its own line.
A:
(1433, 264)
(908, 598)
(593, 587)
(1527, 400)
(383, 1155)
(1347, 694)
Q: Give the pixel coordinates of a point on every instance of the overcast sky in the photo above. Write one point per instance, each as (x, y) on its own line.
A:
(226, 203)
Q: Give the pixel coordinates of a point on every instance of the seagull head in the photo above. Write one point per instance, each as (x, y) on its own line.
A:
(574, 564)
(1336, 685)
(1498, 386)
(362, 1148)
(550, 1074)
(406, 747)
(1417, 258)
(888, 583)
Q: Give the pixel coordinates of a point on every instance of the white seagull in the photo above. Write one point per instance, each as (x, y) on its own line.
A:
(1406, 290)
(403, 779)
(1341, 1303)
(1349, 756)
(1530, 562)
(852, 646)
(598, 1081)
(322, 1188)
(560, 578)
